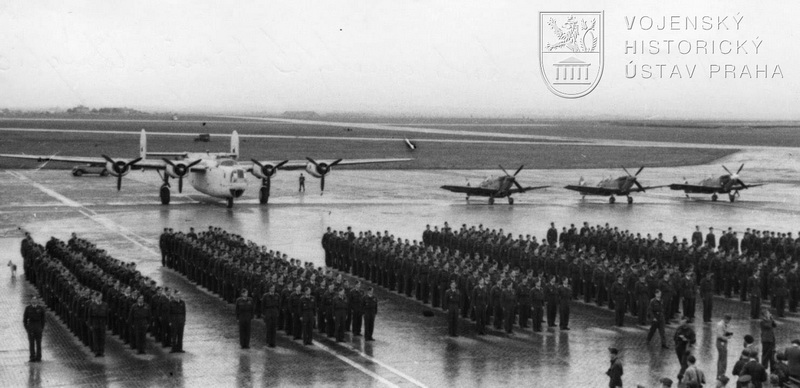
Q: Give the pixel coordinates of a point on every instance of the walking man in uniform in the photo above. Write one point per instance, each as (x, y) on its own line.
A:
(614, 372)
(302, 180)
(723, 335)
(33, 321)
(656, 313)
(244, 314)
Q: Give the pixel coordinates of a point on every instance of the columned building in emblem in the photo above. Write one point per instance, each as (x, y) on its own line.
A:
(572, 71)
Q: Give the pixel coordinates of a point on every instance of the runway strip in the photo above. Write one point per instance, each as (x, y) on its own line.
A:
(327, 138)
(128, 235)
(88, 213)
(551, 139)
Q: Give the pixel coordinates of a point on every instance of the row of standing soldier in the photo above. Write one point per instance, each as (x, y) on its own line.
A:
(427, 272)
(285, 293)
(91, 292)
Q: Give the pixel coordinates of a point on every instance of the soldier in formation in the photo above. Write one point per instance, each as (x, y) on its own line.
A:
(289, 295)
(593, 258)
(93, 292)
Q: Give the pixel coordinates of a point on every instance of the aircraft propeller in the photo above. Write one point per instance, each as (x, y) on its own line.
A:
(180, 170)
(735, 177)
(120, 168)
(323, 169)
(268, 171)
(513, 177)
(633, 178)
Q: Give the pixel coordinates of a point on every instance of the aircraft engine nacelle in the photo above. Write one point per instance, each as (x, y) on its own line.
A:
(264, 171)
(177, 169)
(318, 170)
(118, 168)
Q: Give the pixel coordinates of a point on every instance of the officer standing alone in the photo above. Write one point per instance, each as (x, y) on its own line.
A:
(244, 314)
(270, 303)
(177, 320)
(33, 321)
(452, 299)
(370, 303)
(139, 318)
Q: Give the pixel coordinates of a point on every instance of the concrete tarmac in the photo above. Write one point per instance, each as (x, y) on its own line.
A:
(411, 350)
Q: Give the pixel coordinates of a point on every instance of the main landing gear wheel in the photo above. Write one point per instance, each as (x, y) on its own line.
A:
(630, 200)
(164, 194)
(714, 197)
(230, 202)
(263, 195)
(612, 200)
(510, 201)
(731, 197)
(491, 200)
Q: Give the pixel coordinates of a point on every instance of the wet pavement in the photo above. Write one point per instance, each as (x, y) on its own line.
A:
(411, 349)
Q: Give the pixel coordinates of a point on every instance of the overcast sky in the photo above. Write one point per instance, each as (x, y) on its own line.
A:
(455, 58)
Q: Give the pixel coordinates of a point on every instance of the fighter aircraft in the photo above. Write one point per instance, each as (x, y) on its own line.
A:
(610, 187)
(724, 184)
(217, 174)
(492, 187)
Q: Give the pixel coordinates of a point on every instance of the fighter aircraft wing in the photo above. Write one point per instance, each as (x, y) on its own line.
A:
(645, 188)
(591, 190)
(469, 190)
(301, 164)
(694, 188)
(524, 189)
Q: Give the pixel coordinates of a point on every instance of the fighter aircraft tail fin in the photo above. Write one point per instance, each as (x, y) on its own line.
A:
(235, 144)
(143, 145)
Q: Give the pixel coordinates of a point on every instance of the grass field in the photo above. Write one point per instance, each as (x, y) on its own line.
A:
(429, 155)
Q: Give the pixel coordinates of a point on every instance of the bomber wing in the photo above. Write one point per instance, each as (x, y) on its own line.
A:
(301, 164)
(93, 161)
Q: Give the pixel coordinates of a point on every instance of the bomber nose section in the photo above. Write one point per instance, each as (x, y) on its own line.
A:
(236, 193)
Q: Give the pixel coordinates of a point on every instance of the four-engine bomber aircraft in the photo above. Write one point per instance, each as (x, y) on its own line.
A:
(610, 187)
(498, 187)
(725, 184)
(217, 174)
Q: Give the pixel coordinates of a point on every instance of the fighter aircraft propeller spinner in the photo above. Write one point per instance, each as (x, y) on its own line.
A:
(217, 174)
(495, 187)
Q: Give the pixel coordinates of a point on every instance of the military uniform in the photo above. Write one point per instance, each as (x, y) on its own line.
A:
(177, 321)
(139, 319)
(98, 313)
(369, 304)
(452, 299)
(244, 314)
(33, 319)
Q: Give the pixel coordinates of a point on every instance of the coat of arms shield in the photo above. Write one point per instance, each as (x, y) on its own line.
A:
(571, 51)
